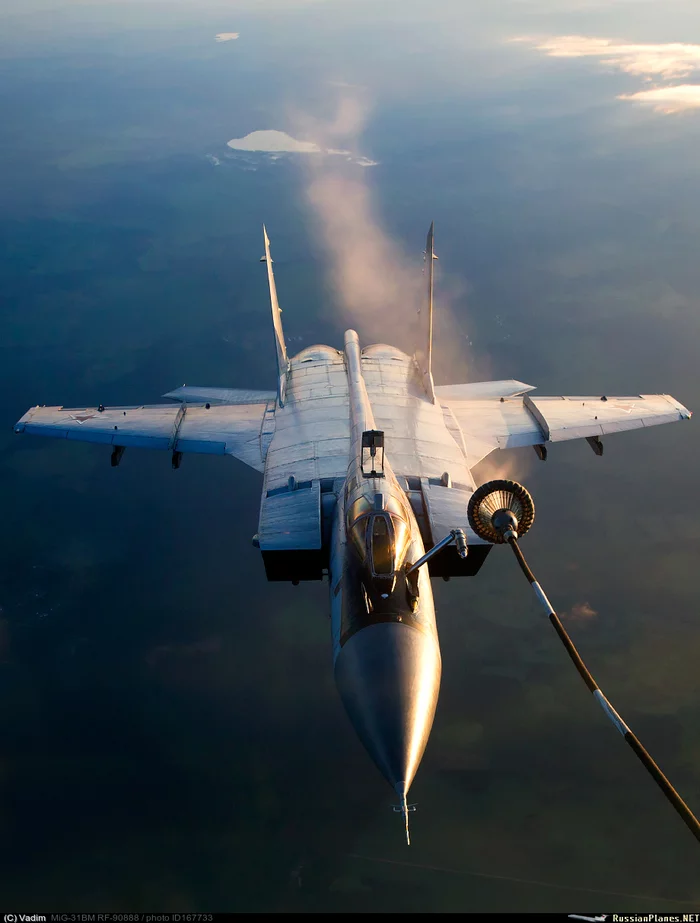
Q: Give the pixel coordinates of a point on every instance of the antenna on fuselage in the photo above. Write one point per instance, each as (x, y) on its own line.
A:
(404, 808)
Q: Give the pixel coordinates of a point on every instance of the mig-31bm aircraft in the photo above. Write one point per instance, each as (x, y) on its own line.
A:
(367, 477)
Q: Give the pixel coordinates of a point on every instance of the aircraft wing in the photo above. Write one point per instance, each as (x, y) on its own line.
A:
(505, 423)
(215, 430)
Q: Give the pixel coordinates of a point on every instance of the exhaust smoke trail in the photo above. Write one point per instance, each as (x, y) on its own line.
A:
(379, 288)
(376, 287)
(512, 464)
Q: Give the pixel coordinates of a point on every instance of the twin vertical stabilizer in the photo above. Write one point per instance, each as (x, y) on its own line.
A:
(424, 352)
(282, 360)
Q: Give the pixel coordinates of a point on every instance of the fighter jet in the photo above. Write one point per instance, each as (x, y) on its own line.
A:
(367, 476)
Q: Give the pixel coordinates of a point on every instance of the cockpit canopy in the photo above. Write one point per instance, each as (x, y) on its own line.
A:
(380, 532)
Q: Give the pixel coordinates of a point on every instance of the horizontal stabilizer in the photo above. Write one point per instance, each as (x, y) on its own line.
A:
(475, 389)
(195, 395)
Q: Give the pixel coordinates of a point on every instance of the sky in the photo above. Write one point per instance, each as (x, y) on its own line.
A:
(171, 738)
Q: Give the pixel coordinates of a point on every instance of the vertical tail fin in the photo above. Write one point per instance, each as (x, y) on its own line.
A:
(282, 360)
(424, 353)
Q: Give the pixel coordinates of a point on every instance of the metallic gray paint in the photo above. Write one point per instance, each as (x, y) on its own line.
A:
(388, 677)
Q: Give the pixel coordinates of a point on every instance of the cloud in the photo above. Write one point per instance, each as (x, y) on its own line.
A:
(670, 61)
(580, 612)
(272, 141)
(668, 99)
(226, 36)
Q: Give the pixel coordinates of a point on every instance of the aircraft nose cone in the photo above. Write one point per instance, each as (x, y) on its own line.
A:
(388, 677)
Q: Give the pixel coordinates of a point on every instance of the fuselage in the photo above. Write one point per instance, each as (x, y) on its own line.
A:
(385, 643)
(321, 513)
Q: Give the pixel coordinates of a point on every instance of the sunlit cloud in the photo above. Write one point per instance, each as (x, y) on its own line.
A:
(652, 63)
(226, 36)
(580, 612)
(668, 99)
(272, 141)
(670, 61)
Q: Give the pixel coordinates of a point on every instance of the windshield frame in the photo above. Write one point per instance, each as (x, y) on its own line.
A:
(363, 535)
